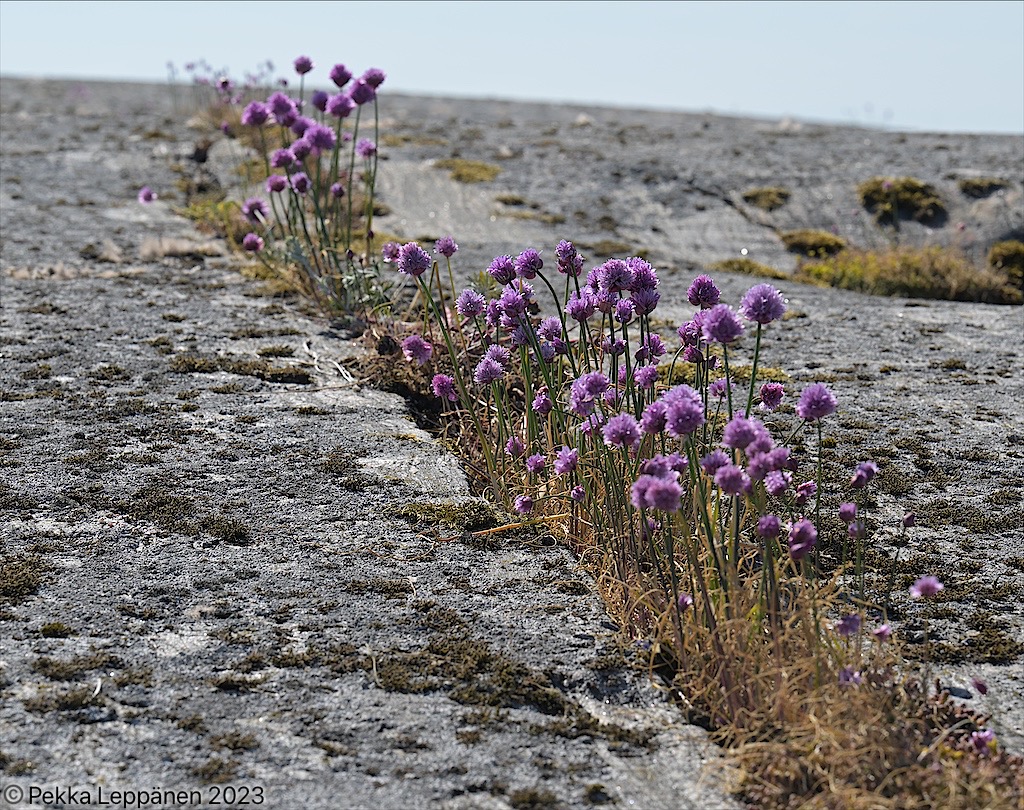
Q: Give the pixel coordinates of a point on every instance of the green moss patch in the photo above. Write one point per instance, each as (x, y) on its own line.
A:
(469, 171)
(469, 516)
(981, 187)
(21, 575)
(261, 369)
(768, 198)
(1008, 257)
(809, 242)
(891, 199)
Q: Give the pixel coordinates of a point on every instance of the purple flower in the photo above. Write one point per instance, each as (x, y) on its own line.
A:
(318, 100)
(444, 387)
(252, 242)
(528, 263)
(146, 195)
(847, 512)
(684, 601)
(614, 276)
(848, 625)
(713, 462)
(979, 685)
(587, 388)
(982, 740)
(862, 476)
(566, 460)
(719, 387)
(413, 260)
(578, 493)
(703, 292)
(515, 447)
(581, 307)
(502, 269)
(771, 395)
(366, 148)
(542, 404)
(655, 416)
(535, 463)
(338, 191)
(816, 402)
(857, 530)
(802, 537)
(282, 108)
(255, 114)
(300, 182)
(255, 210)
(340, 105)
(276, 184)
(570, 263)
(882, 633)
(909, 520)
(301, 124)
(523, 505)
(740, 432)
(622, 431)
(646, 376)
(499, 354)
(282, 158)
(340, 75)
(762, 304)
(446, 247)
(656, 492)
(685, 411)
(470, 303)
(624, 310)
(390, 252)
(487, 371)
(731, 480)
(848, 676)
(644, 276)
(374, 77)
(416, 349)
(303, 65)
(925, 586)
(777, 482)
(805, 492)
(320, 137)
(769, 526)
(362, 92)
(645, 301)
(301, 148)
(721, 325)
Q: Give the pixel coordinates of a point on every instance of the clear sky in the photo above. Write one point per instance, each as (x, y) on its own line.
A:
(946, 66)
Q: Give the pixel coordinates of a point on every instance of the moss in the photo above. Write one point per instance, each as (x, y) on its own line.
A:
(260, 332)
(389, 588)
(510, 199)
(469, 171)
(535, 216)
(344, 466)
(235, 741)
(173, 317)
(532, 799)
(468, 516)
(311, 410)
(72, 668)
(56, 630)
(109, 373)
(980, 187)
(597, 794)
(194, 364)
(748, 267)
(21, 575)
(235, 681)
(216, 771)
(1008, 257)
(42, 371)
(218, 217)
(277, 350)
(891, 199)
(228, 530)
(768, 198)
(60, 700)
(808, 242)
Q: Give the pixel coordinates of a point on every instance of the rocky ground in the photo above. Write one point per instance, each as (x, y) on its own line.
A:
(211, 573)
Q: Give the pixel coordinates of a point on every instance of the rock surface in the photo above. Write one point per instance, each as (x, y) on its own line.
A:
(205, 576)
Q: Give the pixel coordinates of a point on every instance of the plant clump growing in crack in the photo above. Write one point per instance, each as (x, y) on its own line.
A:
(767, 198)
(892, 199)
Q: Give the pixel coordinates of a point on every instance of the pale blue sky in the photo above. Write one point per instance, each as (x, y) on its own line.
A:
(947, 66)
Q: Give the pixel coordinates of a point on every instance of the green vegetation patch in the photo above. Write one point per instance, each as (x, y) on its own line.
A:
(21, 575)
(981, 187)
(193, 363)
(809, 242)
(891, 199)
(470, 516)
(469, 171)
(768, 198)
(748, 267)
(1008, 257)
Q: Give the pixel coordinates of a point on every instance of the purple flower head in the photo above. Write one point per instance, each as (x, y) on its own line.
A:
(862, 476)
(321, 138)
(651, 348)
(740, 432)
(515, 447)
(645, 301)
(805, 492)
(300, 182)
(487, 371)
(816, 402)
(925, 586)
(338, 191)
(732, 480)
(646, 377)
(882, 633)
(502, 269)
(416, 349)
(542, 404)
(624, 311)
(577, 493)
(390, 252)
(303, 65)
(585, 390)
(983, 740)
(146, 195)
(857, 530)
(276, 184)
(566, 460)
(622, 431)
(802, 537)
(713, 462)
(659, 466)
(614, 276)
(374, 77)
(340, 105)
(255, 210)
(848, 625)
(771, 395)
(366, 148)
(768, 526)
(523, 505)
(645, 278)
(777, 482)
(703, 292)
(848, 676)
(657, 492)
(340, 75)
(301, 124)
(301, 148)
(535, 463)
(719, 388)
(570, 263)
(762, 304)
(319, 100)
(655, 416)
(470, 303)
(499, 354)
(528, 263)
(282, 108)
(979, 685)
(581, 307)
(721, 325)
(413, 260)
(444, 387)
(550, 328)
(252, 242)
(847, 512)
(684, 601)
(362, 92)
(282, 158)
(909, 520)
(255, 114)
(446, 247)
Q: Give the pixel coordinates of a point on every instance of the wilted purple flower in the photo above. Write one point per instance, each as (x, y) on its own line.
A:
(535, 463)
(338, 191)
(300, 182)
(446, 247)
(777, 482)
(862, 476)
(882, 633)
(816, 402)
(713, 462)
(255, 210)
(366, 148)
(255, 114)
(848, 676)
(771, 395)
(470, 303)
(340, 75)
(566, 460)
(739, 432)
(319, 100)
(646, 376)
(979, 686)
(703, 292)
(146, 195)
(848, 625)
(362, 92)
(721, 325)
(515, 447)
(528, 263)
(502, 269)
(622, 431)
(578, 493)
(847, 512)
(982, 740)
(654, 417)
(802, 537)
(523, 505)
(805, 492)
(684, 601)
(303, 65)
(416, 349)
(276, 184)
(656, 492)
(762, 304)
(444, 387)
(374, 77)
(487, 371)
(542, 404)
(925, 586)
(731, 480)
(340, 105)
(909, 520)
(390, 252)
(282, 158)
(252, 242)
(413, 260)
(769, 526)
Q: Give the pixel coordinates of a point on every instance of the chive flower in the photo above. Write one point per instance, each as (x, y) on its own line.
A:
(847, 512)
(340, 75)
(802, 538)
(303, 65)
(374, 77)
(390, 251)
(502, 269)
(771, 395)
(768, 526)
(252, 242)
(366, 148)
(925, 586)
(703, 292)
(535, 463)
(862, 476)
(470, 303)
(362, 92)
(646, 377)
(340, 105)
(816, 402)
(255, 114)
(528, 263)
(318, 100)
(416, 349)
(255, 210)
(301, 182)
(731, 480)
(487, 371)
(762, 304)
(413, 260)
(721, 325)
(446, 247)
(276, 184)
(444, 387)
(515, 447)
(622, 431)
(566, 460)
(338, 191)
(656, 492)
(542, 404)
(849, 625)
